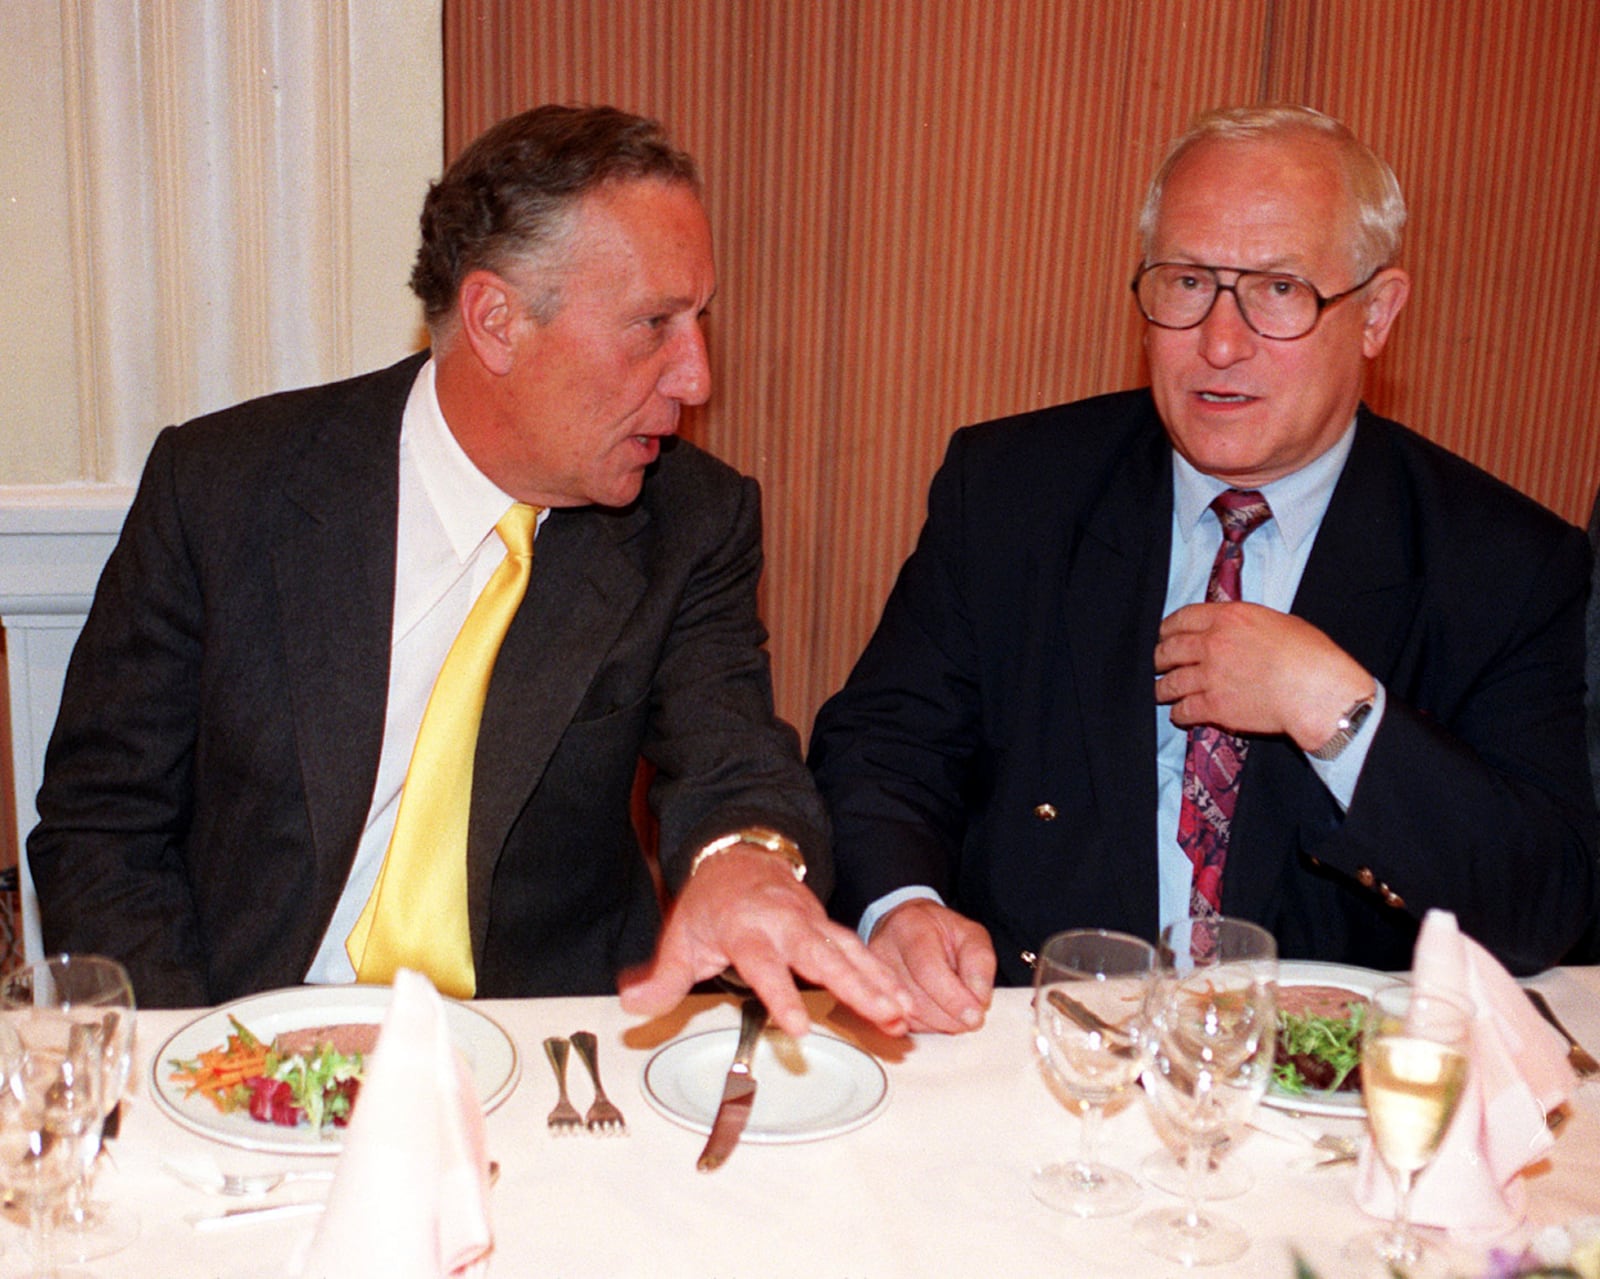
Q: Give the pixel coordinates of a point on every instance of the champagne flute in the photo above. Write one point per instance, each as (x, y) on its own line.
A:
(1209, 1030)
(1413, 1070)
(83, 1005)
(1089, 988)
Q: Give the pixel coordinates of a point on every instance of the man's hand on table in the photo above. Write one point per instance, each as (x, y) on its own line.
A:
(945, 959)
(744, 909)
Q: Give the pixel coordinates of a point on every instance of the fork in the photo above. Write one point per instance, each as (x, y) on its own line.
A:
(260, 1183)
(603, 1117)
(1582, 1063)
(564, 1118)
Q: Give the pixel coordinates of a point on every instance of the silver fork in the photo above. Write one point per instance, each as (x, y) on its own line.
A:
(1582, 1063)
(564, 1118)
(259, 1183)
(603, 1117)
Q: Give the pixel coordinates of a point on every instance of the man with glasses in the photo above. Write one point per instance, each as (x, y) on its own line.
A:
(1229, 644)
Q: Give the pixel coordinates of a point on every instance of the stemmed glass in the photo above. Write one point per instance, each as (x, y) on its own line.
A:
(1089, 988)
(1413, 1069)
(1209, 1029)
(81, 1007)
(48, 1101)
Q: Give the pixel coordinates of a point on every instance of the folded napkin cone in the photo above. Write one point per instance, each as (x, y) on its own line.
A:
(410, 1198)
(1517, 1073)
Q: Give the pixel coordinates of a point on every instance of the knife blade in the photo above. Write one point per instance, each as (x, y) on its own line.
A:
(738, 1090)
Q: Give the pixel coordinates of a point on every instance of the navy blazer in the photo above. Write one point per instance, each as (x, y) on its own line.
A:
(997, 738)
(212, 767)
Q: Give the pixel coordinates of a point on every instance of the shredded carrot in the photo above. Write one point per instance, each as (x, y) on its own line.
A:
(217, 1073)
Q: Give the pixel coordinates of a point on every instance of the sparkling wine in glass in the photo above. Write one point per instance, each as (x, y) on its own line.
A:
(1210, 1027)
(81, 1007)
(1413, 1070)
(1089, 989)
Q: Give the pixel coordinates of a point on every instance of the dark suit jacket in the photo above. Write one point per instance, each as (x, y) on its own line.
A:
(1013, 669)
(213, 763)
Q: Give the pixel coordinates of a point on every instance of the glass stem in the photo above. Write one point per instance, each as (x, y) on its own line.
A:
(1400, 1245)
(1195, 1157)
(1089, 1135)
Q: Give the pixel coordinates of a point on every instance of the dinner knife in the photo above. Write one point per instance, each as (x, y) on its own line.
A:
(738, 1091)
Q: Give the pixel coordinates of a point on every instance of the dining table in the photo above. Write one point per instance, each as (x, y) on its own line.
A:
(933, 1182)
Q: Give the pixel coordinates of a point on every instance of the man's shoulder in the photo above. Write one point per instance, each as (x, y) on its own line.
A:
(264, 422)
(1081, 428)
(1447, 490)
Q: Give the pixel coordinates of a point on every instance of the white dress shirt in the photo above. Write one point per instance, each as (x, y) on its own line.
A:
(446, 549)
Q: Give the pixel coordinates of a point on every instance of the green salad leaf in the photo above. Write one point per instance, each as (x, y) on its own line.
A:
(1334, 1040)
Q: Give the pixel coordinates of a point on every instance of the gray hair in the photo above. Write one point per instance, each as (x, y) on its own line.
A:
(1379, 208)
(512, 193)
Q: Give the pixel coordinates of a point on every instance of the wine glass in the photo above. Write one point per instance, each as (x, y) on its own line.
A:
(1413, 1070)
(1209, 1029)
(48, 1101)
(82, 1007)
(1089, 988)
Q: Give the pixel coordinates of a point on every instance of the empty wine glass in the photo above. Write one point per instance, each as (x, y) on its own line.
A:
(81, 1007)
(1209, 1028)
(1089, 988)
(46, 1104)
(1413, 1069)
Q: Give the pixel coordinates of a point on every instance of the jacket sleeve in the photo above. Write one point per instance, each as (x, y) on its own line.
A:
(107, 855)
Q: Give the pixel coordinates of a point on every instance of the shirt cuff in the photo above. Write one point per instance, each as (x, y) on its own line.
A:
(878, 909)
(1341, 775)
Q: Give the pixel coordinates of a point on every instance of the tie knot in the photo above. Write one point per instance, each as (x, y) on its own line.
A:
(1241, 511)
(516, 529)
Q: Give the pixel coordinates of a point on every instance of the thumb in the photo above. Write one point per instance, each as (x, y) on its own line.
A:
(657, 987)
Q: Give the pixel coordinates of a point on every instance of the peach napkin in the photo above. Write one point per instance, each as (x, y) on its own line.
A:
(1518, 1073)
(410, 1197)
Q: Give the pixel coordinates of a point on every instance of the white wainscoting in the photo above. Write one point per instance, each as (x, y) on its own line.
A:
(53, 544)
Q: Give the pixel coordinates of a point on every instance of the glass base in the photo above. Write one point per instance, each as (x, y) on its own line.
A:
(1225, 1180)
(1380, 1254)
(1085, 1190)
(103, 1230)
(1208, 1240)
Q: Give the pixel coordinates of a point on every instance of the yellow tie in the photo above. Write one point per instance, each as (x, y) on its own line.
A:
(417, 914)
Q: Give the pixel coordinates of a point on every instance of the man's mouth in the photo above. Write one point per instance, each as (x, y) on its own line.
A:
(1219, 397)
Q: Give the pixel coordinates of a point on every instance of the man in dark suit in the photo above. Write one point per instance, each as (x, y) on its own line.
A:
(1070, 716)
(233, 754)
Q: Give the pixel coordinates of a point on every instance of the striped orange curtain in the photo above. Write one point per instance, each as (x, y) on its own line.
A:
(924, 216)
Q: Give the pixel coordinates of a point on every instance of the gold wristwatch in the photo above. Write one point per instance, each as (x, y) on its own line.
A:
(763, 837)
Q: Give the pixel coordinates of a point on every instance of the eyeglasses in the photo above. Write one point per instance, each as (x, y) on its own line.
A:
(1179, 295)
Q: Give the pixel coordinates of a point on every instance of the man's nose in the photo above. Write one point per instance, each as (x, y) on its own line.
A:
(1224, 336)
(688, 375)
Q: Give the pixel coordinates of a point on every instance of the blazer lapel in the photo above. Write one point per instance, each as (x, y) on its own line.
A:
(585, 585)
(1361, 590)
(1113, 601)
(333, 547)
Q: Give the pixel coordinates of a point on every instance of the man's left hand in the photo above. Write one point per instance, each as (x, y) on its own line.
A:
(1251, 669)
(744, 909)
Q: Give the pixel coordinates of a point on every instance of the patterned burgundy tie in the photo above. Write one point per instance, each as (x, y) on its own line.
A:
(1215, 759)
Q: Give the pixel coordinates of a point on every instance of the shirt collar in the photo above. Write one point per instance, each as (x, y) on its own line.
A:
(468, 503)
(1298, 500)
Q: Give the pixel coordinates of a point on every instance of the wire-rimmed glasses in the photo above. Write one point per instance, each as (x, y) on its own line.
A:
(1179, 295)
(1089, 990)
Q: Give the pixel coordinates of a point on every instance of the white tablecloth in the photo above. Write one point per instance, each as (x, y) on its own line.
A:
(936, 1185)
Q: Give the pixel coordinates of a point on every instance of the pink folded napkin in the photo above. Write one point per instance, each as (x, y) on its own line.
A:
(410, 1197)
(1517, 1073)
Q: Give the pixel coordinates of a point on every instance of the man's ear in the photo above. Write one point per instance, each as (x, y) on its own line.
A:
(1385, 301)
(492, 318)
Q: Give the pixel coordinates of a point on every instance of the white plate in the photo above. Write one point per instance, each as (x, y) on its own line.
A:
(1312, 972)
(488, 1050)
(806, 1090)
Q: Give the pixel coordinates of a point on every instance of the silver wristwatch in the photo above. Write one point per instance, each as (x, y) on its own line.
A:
(1349, 725)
